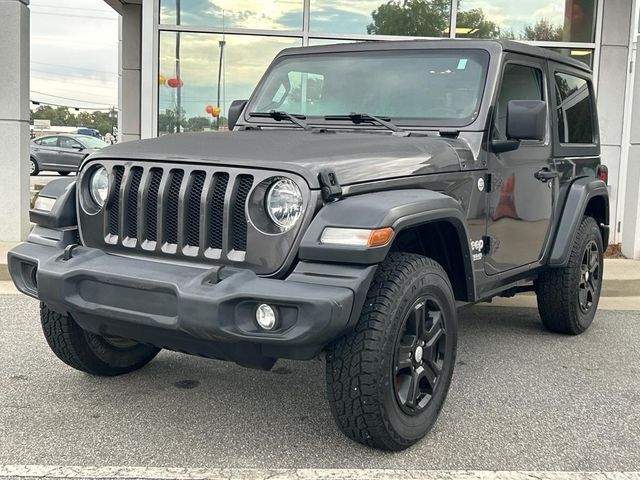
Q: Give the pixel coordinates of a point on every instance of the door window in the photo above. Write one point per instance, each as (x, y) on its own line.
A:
(574, 110)
(67, 142)
(48, 141)
(519, 82)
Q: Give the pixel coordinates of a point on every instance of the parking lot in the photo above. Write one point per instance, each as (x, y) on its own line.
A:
(522, 399)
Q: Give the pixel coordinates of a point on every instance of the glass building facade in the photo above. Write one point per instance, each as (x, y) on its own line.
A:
(211, 52)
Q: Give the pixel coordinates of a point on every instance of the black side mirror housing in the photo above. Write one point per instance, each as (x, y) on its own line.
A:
(235, 110)
(526, 120)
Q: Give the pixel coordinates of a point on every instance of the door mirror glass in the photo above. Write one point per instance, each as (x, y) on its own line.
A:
(235, 110)
(526, 120)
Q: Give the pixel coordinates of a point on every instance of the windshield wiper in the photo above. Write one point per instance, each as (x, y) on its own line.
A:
(280, 115)
(358, 118)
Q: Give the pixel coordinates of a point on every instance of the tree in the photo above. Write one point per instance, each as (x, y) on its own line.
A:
(542, 30)
(420, 18)
(428, 18)
(477, 22)
(198, 124)
(167, 121)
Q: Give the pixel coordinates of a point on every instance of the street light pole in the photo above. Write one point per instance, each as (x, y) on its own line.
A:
(221, 43)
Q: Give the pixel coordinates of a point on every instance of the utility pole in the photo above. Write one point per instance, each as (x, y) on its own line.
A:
(179, 87)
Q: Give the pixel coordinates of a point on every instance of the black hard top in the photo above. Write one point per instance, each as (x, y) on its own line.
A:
(492, 46)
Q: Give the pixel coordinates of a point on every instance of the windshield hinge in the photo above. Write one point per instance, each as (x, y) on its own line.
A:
(331, 189)
(449, 133)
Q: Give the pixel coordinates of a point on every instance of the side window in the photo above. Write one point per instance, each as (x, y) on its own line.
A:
(67, 142)
(519, 82)
(47, 141)
(574, 110)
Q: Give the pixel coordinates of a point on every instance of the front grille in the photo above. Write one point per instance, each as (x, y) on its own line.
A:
(174, 210)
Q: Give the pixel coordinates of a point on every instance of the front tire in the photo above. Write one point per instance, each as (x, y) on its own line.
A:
(568, 297)
(91, 353)
(34, 168)
(388, 379)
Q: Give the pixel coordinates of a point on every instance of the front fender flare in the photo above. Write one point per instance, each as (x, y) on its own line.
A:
(399, 209)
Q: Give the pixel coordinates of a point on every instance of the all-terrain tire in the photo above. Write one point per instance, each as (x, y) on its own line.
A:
(362, 367)
(558, 290)
(88, 352)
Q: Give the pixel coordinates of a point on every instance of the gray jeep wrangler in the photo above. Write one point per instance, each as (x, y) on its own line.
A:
(365, 194)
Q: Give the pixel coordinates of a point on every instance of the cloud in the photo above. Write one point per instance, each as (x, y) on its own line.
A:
(74, 52)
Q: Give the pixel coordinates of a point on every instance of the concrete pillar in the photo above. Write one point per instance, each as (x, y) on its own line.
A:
(14, 120)
(612, 82)
(631, 219)
(129, 72)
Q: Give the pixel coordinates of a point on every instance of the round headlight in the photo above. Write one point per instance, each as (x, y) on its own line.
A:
(284, 203)
(99, 185)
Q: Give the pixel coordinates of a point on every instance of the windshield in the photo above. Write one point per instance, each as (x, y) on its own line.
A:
(440, 86)
(92, 142)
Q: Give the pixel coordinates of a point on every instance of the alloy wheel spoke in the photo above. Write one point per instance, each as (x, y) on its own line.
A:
(420, 313)
(414, 387)
(404, 357)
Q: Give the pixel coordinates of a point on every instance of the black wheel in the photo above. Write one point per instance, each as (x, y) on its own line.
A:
(64, 174)
(568, 297)
(92, 353)
(388, 379)
(34, 169)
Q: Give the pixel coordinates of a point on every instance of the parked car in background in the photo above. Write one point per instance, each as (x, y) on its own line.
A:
(62, 153)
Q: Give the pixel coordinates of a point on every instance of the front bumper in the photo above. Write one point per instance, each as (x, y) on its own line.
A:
(208, 312)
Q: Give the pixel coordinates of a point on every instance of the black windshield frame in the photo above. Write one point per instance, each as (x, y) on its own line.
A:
(482, 55)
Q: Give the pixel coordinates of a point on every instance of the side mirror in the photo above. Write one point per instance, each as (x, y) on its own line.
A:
(526, 120)
(235, 110)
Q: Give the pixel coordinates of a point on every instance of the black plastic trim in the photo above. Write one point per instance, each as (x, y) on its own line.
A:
(63, 213)
(580, 192)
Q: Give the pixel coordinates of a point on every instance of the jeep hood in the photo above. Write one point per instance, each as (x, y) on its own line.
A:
(354, 156)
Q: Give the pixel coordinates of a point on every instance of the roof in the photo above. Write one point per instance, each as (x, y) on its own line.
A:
(493, 46)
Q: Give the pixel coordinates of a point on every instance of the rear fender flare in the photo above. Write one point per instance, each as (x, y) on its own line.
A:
(580, 193)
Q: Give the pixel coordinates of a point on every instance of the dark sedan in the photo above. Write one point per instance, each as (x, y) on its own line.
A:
(62, 153)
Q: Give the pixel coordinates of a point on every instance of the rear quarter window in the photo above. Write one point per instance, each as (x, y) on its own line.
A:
(575, 110)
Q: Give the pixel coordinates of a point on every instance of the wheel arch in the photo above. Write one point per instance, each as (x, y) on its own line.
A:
(435, 219)
(585, 196)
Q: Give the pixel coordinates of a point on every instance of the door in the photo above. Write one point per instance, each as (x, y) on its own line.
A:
(45, 150)
(520, 201)
(70, 153)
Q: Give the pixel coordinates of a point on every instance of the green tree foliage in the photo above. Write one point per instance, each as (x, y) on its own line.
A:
(62, 117)
(198, 124)
(428, 18)
(543, 29)
(425, 18)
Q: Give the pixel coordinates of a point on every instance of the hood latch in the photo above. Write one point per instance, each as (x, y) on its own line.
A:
(331, 189)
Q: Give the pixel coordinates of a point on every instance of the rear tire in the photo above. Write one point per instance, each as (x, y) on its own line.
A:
(568, 297)
(34, 168)
(388, 379)
(91, 353)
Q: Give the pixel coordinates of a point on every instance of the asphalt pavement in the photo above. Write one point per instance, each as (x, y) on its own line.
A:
(521, 399)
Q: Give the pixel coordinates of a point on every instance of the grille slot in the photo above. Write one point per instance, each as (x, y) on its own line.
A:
(182, 210)
(132, 202)
(239, 236)
(171, 210)
(114, 201)
(216, 210)
(152, 204)
(193, 208)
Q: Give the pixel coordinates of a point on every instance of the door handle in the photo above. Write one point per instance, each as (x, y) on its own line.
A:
(545, 174)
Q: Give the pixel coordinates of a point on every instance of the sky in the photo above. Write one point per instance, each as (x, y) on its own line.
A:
(74, 53)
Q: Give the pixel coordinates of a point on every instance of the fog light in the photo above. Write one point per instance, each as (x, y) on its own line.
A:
(266, 317)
